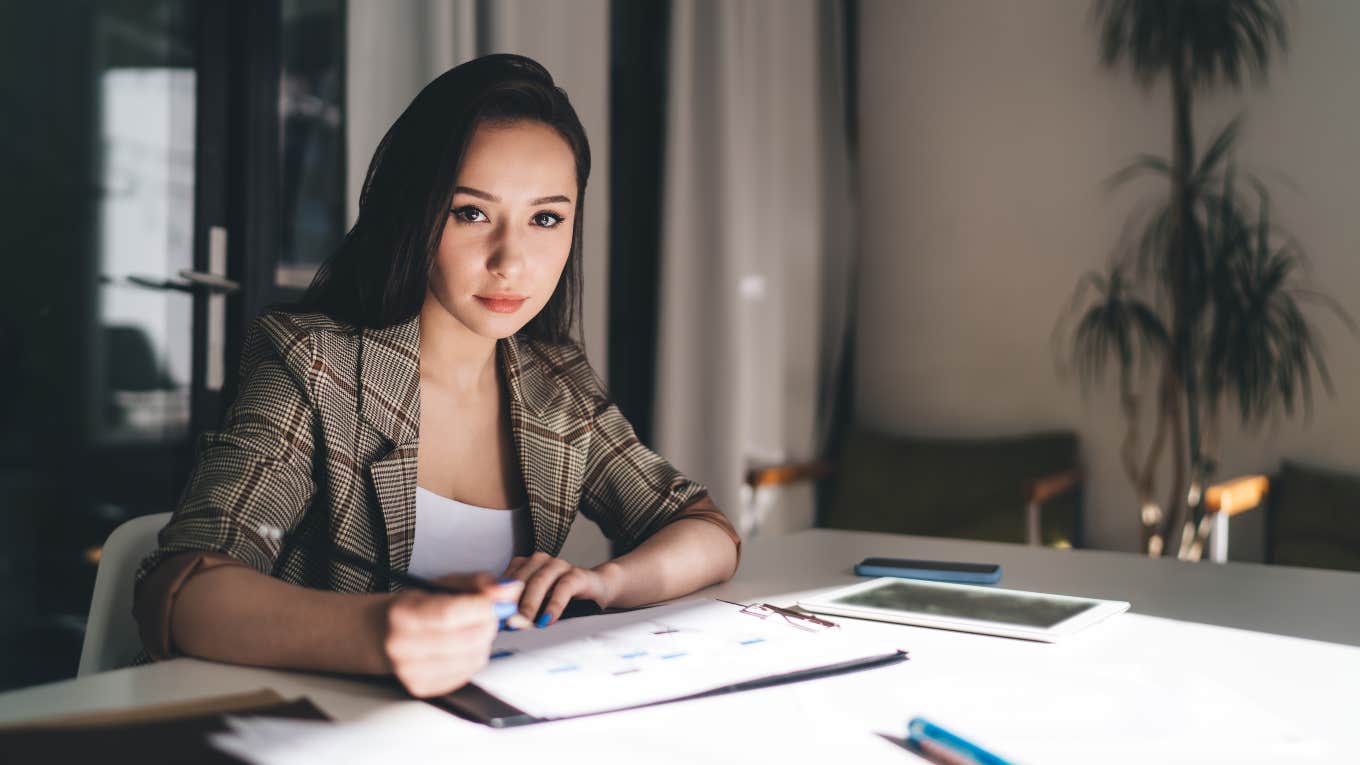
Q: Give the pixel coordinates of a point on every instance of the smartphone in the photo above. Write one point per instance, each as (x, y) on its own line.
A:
(934, 570)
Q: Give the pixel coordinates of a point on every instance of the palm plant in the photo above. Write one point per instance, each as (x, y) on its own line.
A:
(1225, 322)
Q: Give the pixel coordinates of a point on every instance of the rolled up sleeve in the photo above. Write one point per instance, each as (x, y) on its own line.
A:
(703, 509)
(255, 471)
(157, 592)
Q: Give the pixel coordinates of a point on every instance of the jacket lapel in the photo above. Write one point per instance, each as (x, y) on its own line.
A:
(391, 380)
(549, 442)
(391, 405)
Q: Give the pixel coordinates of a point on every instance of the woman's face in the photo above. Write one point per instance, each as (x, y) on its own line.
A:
(508, 232)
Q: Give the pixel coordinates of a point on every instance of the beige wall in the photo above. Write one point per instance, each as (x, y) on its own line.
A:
(988, 129)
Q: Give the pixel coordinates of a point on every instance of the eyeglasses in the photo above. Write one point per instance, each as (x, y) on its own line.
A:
(798, 619)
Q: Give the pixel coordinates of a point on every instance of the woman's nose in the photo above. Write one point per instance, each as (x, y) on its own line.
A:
(507, 254)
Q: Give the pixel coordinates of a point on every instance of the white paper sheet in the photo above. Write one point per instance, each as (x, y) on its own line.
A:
(410, 732)
(615, 661)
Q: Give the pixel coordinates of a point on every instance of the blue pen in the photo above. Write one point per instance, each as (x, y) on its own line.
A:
(921, 730)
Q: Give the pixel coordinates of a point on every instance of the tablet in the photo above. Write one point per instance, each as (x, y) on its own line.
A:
(966, 607)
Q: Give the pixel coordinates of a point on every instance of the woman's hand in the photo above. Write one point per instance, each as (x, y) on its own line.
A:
(550, 583)
(433, 642)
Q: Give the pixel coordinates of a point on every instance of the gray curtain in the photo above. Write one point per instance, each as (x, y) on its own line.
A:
(757, 247)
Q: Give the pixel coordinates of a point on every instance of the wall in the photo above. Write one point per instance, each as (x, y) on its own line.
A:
(987, 132)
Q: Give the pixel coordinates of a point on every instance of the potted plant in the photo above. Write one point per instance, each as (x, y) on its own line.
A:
(1206, 291)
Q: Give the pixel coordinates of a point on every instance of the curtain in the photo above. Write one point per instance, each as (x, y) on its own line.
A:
(392, 50)
(757, 247)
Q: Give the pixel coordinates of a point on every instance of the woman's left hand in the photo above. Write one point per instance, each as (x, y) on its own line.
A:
(550, 583)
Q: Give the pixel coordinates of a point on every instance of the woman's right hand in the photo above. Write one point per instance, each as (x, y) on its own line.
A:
(434, 642)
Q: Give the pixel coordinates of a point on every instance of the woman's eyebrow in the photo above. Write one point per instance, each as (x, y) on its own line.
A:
(493, 198)
(551, 200)
(476, 193)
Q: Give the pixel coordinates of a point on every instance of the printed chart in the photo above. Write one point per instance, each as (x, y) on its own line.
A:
(615, 661)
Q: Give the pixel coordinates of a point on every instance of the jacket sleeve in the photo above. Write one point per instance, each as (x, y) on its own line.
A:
(630, 491)
(257, 469)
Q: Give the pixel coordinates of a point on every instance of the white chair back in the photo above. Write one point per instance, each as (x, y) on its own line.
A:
(111, 637)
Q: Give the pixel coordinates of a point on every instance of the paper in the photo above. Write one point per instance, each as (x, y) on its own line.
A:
(601, 663)
(406, 732)
(1178, 716)
(793, 723)
(714, 731)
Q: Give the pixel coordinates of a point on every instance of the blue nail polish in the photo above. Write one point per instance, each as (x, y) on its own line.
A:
(506, 580)
(501, 626)
(544, 620)
(505, 609)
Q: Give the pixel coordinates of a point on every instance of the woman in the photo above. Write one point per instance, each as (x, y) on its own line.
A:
(426, 408)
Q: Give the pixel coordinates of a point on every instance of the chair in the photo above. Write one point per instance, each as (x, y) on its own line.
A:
(1222, 502)
(1015, 489)
(1313, 518)
(111, 637)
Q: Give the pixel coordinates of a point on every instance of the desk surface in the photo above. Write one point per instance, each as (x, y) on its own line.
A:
(1214, 663)
(1282, 600)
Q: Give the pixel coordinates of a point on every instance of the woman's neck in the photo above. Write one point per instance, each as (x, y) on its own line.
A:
(452, 355)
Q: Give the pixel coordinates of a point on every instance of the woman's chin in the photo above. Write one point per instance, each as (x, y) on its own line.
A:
(496, 327)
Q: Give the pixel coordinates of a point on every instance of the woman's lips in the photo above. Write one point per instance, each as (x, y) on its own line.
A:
(502, 303)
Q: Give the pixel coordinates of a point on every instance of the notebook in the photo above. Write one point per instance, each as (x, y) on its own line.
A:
(596, 664)
(154, 735)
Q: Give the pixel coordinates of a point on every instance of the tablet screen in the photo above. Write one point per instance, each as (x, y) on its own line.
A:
(1006, 607)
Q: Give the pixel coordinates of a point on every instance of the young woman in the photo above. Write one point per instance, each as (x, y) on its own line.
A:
(426, 408)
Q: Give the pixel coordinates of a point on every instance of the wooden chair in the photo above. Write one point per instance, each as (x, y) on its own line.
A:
(1222, 501)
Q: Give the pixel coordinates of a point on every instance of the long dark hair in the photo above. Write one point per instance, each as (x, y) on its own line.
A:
(378, 275)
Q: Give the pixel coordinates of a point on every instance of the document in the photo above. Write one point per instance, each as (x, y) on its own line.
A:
(616, 661)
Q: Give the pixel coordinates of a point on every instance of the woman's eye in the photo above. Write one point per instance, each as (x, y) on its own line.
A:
(469, 214)
(547, 220)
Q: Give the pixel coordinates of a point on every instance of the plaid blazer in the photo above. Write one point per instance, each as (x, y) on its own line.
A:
(323, 437)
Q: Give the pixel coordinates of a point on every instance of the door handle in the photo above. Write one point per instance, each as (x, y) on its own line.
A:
(190, 282)
(213, 283)
(215, 280)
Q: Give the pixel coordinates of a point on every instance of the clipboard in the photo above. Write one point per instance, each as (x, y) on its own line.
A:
(474, 703)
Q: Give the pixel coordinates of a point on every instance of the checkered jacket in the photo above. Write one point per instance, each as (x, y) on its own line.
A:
(301, 450)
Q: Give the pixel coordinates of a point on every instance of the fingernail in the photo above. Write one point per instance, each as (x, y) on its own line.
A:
(544, 620)
(506, 580)
(505, 609)
(501, 626)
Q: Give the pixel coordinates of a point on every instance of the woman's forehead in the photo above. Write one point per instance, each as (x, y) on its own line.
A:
(521, 160)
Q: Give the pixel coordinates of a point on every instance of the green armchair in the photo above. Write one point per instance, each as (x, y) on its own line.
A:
(1014, 489)
(1313, 518)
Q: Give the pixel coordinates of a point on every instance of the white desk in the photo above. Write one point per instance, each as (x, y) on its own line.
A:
(1142, 687)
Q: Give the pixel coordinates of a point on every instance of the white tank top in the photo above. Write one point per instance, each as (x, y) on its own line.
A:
(453, 537)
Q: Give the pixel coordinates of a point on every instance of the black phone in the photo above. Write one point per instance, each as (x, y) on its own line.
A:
(933, 570)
